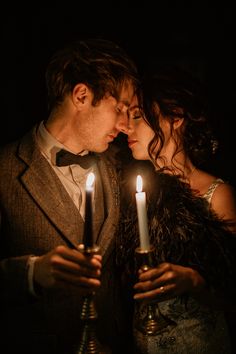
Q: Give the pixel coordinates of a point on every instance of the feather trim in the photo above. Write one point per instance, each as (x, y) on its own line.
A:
(183, 230)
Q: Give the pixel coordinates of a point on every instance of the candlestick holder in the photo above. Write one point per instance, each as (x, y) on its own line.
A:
(149, 320)
(89, 343)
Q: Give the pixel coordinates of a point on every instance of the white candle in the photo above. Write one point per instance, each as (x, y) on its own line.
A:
(142, 215)
(88, 222)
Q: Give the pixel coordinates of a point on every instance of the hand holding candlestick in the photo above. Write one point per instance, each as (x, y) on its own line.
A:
(153, 321)
(148, 319)
(89, 343)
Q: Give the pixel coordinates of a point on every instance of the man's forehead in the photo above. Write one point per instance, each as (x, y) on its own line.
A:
(126, 94)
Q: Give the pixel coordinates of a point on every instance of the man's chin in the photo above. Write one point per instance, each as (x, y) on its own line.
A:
(102, 148)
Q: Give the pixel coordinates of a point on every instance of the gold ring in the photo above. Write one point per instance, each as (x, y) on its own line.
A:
(162, 289)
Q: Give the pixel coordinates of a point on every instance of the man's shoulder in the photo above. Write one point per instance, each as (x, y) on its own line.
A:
(8, 148)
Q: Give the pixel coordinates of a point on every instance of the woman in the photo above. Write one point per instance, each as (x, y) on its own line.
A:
(192, 221)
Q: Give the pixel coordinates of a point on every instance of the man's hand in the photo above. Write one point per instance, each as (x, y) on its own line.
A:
(63, 267)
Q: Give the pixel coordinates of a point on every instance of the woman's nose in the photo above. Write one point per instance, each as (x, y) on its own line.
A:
(126, 127)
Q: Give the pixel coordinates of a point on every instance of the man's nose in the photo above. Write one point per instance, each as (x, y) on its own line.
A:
(122, 124)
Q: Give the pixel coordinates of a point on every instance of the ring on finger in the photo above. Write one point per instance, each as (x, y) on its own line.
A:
(162, 289)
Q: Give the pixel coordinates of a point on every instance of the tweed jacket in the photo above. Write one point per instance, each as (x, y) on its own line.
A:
(37, 214)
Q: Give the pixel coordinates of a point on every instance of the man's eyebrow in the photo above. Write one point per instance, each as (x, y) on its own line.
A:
(125, 102)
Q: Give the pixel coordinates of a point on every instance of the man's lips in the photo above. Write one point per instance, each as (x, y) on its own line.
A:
(111, 137)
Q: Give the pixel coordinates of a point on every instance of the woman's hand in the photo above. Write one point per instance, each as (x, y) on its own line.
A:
(167, 281)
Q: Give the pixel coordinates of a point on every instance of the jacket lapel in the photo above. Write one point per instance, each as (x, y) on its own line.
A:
(48, 192)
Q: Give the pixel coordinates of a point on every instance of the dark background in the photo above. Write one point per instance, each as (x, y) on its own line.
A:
(196, 35)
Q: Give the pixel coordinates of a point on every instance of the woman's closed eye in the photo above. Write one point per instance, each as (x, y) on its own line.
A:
(137, 116)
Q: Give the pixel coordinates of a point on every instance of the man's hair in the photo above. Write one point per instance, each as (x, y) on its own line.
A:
(100, 64)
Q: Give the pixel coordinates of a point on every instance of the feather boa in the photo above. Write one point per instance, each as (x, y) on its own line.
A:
(182, 229)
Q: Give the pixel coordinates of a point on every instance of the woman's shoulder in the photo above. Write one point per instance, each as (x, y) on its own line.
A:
(203, 182)
(211, 188)
(223, 201)
(220, 195)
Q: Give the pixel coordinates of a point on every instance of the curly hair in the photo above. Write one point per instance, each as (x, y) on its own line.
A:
(176, 93)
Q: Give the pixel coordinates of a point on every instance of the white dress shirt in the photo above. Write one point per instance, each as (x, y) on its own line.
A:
(73, 177)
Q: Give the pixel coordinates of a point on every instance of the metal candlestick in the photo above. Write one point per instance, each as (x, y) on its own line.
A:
(89, 343)
(152, 321)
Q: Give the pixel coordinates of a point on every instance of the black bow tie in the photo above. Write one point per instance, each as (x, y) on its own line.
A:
(65, 158)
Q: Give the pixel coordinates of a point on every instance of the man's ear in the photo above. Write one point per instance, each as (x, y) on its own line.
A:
(80, 94)
(178, 123)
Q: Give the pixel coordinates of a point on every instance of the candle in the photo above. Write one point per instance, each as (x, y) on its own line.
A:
(142, 215)
(88, 225)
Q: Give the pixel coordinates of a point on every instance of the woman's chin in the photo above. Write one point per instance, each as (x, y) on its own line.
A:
(138, 156)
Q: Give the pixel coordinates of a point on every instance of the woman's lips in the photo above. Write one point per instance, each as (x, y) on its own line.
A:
(131, 142)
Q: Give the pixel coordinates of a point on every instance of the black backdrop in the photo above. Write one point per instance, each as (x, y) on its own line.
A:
(197, 35)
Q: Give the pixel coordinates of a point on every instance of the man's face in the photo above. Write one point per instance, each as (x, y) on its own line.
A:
(104, 121)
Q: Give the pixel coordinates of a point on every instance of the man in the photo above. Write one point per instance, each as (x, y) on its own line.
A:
(43, 274)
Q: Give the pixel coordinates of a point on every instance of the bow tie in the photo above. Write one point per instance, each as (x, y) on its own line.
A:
(65, 158)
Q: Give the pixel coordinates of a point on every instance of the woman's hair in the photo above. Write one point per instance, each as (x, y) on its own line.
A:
(174, 93)
(100, 64)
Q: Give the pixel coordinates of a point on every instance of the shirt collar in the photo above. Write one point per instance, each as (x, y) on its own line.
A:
(50, 145)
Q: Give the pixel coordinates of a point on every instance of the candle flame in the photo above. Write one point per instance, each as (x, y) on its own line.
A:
(90, 179)
(139, 184)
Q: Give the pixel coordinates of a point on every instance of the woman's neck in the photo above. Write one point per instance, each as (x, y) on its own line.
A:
(179, 165)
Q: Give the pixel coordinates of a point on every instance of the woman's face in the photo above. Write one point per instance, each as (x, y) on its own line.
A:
(139, 132)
